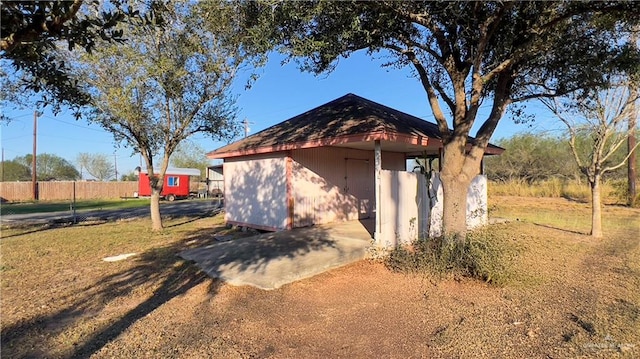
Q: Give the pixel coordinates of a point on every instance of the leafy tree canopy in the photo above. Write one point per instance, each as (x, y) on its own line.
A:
(129, 177)
(50, 167)
(191, 155)
(97, 165)
(32, 32)
(15, 170)
(531, 157)
(466, 54)
(168, 83)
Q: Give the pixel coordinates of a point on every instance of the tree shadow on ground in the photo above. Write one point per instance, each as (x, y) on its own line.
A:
(154, 278)
(254, 254)
(560, 229)
(158, 270)
(35, 228)
(192, 219)
(574, 199)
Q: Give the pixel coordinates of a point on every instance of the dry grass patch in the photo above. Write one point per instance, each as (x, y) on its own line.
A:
(612, 191)
(57, 290)
(569, 296)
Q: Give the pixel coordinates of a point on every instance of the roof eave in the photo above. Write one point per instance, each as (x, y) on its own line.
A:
(420, 140)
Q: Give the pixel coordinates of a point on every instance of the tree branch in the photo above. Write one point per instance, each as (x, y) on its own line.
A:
(425, 20)
(500, 103)
(626, 158)
(34, 30)
(554, 107)
(431, 94)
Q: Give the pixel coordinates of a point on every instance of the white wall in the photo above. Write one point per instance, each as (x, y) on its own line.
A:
(404, 209)
(477, 210)
(214, 174)
(256, 191)
(215, 181)
(409, 211)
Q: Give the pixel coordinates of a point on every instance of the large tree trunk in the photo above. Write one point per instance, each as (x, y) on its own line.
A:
(631, 145)
(454, 189)
(156, 190)
(596, 209)
(156, 220)
(458, 170)
(631, 139)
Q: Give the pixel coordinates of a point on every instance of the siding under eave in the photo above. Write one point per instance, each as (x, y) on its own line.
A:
(335, 184)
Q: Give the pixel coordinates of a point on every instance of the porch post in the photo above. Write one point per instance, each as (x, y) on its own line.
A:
(289, 177)
(377, 236)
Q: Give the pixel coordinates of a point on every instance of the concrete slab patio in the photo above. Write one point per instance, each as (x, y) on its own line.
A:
(270, 260)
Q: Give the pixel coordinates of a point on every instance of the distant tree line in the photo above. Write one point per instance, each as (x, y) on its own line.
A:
(50, 167)
(536, 157)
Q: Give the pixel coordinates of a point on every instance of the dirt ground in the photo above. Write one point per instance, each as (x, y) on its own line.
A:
(570, 296)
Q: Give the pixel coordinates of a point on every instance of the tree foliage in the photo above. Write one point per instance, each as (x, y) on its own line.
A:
(129, 177)
(50, 167)
(98, 165)
(15, 170)
(32, 32)
(166, 85)
(191, 155)
(531, 157)
(597, 128)
(465, 55)
(535, 157)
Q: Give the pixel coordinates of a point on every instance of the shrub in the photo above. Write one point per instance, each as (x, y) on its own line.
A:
(620, 192)
(481, 255)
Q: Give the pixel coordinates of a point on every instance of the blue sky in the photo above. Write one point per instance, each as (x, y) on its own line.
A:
(280, 92)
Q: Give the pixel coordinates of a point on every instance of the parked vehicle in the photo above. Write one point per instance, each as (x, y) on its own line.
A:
(176, 183)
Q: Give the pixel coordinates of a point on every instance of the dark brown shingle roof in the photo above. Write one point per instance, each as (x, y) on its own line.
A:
(347, 119)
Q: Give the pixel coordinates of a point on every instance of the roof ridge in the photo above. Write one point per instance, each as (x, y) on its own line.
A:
(347, 115)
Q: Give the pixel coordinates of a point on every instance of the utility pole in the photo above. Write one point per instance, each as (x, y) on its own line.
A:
(34, 168)
(115, 164)
(246, 127)
(2, 164)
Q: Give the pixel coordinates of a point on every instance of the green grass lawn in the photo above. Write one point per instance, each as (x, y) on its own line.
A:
(40, 207)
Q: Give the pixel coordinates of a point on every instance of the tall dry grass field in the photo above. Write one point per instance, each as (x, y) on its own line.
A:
(613, 192)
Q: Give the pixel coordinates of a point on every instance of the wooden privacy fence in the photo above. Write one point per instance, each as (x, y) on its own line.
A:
(64, 190)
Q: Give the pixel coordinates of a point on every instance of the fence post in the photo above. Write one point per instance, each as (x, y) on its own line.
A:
(73, 204)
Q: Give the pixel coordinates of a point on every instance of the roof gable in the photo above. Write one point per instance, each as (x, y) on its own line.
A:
(349, 118)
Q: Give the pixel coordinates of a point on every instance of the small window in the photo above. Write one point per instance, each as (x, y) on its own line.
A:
(173, 181)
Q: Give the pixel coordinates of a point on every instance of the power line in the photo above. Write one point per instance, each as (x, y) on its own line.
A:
(76, 125)
(14, 138)
(16, 118)
(75, 139)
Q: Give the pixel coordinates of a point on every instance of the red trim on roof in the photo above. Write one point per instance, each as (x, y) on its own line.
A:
(493, 150)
